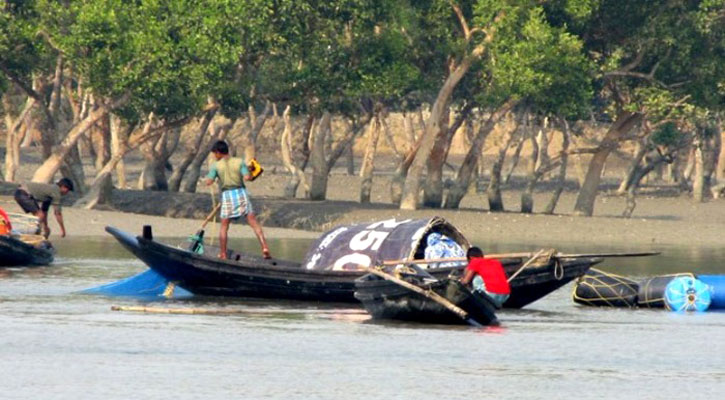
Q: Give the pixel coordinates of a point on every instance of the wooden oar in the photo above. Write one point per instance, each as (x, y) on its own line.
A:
(199, 237)
(426, 293)
(520, 255)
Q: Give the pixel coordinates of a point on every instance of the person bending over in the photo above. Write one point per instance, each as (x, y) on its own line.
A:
(486, 275)
(231, 173)
(36, 198)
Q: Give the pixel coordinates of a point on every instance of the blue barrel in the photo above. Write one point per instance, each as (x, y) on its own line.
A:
(717, 290)
(687, 294)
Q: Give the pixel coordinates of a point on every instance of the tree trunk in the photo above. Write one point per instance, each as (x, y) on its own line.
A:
(350, 160)
(194, 170)
(690, 165)
(52, 164)
(720, 174)
(389, 137)
(495, 201)
(712, 151)
(298, 175)
(514, 160)
(637, 176)
(324, 156)
(101, 138)
(401, 172)
(72, 168)
(493, 191)
(433, 186)
(463, 178)
(588, 192)
(153, 175)
(561, 177)
(639, 152)
(13, 138)
(411, 189)
(542, 139)
(99, 194)
(191, 151)
(368, 163)
(257, 123)
(320, 172)
(527, 196)
(699, 192)
(117, 137)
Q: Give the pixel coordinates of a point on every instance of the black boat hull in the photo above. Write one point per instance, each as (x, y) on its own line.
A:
(15, 253)
(388, 300)
(245, 275)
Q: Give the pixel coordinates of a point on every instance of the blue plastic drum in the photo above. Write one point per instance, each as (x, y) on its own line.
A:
(717, 290)
(687, 294)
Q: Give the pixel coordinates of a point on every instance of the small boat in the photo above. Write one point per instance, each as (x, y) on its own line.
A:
(331, 266)
(422, 298)
(19, 243)
(25, 250)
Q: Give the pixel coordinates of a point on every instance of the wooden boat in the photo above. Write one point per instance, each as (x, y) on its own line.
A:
(327, 273)
(25, 250)
(420, 299)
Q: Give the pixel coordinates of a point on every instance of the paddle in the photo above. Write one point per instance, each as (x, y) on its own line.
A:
(426, 293)
(197, 240)
(520, 255)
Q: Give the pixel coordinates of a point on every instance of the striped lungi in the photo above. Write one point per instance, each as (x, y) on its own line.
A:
(235, 203)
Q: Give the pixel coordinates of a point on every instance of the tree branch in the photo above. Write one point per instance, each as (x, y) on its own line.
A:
(461, 20)
(29, 91)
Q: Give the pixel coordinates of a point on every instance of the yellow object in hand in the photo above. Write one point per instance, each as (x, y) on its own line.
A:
(255, 169)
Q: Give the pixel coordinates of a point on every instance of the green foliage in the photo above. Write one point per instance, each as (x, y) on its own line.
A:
(334, 55)
(664, 58)
(169, 54)
(667, 135)
(22, 51)
(644, 49)
(531, 59)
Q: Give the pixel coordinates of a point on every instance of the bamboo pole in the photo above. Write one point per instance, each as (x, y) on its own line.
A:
(526, 264)
(520, 255)
(426, 293)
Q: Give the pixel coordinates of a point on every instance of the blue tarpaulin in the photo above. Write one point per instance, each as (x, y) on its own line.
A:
(147, 284)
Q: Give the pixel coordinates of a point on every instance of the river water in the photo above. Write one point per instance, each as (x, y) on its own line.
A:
(55, 344)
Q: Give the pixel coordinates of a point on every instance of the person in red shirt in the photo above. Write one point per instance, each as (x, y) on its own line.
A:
(486, 275)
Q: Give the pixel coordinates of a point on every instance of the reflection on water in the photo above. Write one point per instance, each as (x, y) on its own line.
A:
(56, 344)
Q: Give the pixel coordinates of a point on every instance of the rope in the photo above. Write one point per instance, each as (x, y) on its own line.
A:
(595, 283)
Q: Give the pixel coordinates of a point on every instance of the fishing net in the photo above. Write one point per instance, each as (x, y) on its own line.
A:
(652, 290)
(147, 284)
(599, 288)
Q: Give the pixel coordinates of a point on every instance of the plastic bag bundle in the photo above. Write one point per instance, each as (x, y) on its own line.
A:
(441, 246)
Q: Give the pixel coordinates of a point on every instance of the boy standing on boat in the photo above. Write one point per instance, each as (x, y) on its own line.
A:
(28, 195)
(231, 173)
(486, 275)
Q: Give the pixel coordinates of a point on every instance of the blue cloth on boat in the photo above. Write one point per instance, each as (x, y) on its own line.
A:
(441, 246)
(235, 203)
